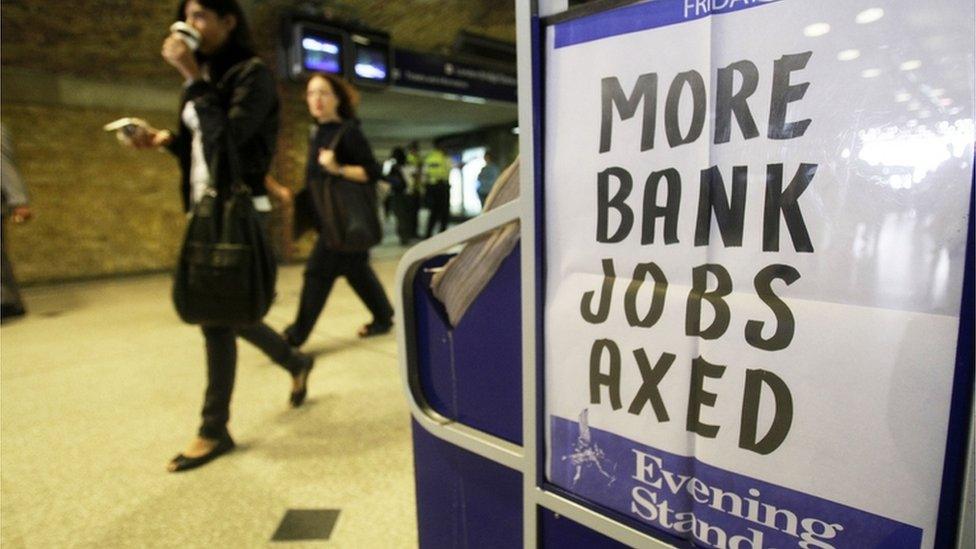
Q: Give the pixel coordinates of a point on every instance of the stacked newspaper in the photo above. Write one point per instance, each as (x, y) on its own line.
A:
(463, 278)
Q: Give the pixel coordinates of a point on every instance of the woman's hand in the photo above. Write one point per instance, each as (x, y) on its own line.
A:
(179, 55)
(328, 161)
(21, 214)
(148, 138)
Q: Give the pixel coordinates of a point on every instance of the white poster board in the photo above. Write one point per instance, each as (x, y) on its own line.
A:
(755, 231)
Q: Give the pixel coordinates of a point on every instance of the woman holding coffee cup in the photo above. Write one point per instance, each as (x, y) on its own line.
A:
(228, 97)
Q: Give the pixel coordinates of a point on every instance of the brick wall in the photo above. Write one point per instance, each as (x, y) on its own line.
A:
(101, 209)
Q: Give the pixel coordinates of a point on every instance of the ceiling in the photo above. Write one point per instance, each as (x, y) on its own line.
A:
(395, 117)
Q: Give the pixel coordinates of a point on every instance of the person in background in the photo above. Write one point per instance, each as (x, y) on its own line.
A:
(400, 199)
(227, 90)
(332, 103)
(16, 208)
(487, 177)
(437, 189)
(414, 172)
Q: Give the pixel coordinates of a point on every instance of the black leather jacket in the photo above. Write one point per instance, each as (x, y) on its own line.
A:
(243, 101)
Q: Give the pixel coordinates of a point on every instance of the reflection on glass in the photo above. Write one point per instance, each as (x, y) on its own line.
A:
(869, 15)
(911, 155)
(910, 65)
(816, 29)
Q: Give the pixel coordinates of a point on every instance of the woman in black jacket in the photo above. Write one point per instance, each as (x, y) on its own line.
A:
(228, 96)
(338, 148)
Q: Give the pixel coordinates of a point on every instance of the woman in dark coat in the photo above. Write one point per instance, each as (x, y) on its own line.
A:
(332, 104)
(227, 90)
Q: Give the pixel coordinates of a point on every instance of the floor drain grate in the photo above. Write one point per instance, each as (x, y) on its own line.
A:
(306, 524)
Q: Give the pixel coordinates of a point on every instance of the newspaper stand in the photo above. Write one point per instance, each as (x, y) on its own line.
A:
(477, 391)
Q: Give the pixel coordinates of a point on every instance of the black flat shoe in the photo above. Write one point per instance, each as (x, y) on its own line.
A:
(375, 329)
(183, 463)
(298, 397)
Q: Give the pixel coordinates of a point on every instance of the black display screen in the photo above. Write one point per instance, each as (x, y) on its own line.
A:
(371, 62)
(321, 52)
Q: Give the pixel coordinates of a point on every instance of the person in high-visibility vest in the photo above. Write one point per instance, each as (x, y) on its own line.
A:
(437, 170)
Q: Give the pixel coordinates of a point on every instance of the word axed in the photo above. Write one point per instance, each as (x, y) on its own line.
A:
(699, 396)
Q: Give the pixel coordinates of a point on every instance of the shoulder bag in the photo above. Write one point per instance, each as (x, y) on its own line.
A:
(348, 211)
(226, 271)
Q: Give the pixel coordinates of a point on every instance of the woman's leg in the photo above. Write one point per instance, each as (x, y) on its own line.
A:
(272, 344)
(367, 286)
(213, 440)
(320, 273)
(221, 368)
(298, 364)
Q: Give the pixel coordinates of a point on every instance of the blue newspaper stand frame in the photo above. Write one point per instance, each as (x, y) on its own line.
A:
(481, 482)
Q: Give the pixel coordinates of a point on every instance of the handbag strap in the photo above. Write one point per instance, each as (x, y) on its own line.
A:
(234, 165)
(338, 136)
(226, 153)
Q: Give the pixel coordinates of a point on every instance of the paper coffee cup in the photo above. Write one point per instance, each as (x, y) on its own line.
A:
(187, 33)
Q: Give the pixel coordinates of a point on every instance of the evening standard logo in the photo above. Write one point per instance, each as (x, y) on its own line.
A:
(649, 501)
(588, 454)
(700, 8)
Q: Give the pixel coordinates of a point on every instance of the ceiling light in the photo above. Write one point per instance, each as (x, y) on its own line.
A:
(903, 97)
(869, 15)
(848, 55)
(816, 29)
(910, 65)
(871, 73)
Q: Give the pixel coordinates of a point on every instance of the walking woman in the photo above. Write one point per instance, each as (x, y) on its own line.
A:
(226, 89)
(337, 148)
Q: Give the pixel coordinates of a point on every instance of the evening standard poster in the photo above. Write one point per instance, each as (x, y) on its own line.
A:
(755, 232)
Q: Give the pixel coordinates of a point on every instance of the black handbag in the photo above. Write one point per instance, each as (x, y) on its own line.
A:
(305, 217)
(226, 271)
(348, 212)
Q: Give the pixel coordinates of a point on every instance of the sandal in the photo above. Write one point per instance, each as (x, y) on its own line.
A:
(183, 463)
(375, 329)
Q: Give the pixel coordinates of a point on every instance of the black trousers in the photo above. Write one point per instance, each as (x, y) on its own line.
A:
(222, 366)
(323, 268)
(221, 343)
(439, 200)
(405, 209)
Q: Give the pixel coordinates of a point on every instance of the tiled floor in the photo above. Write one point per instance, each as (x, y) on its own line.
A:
(101, 384)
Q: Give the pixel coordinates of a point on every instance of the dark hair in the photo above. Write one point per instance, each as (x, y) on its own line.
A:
(239, 43)
(345, 92)
(399, 155)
